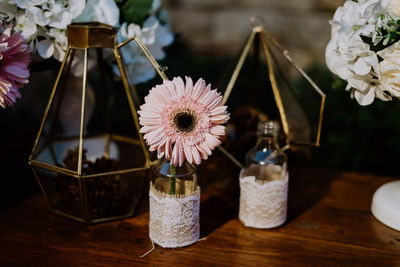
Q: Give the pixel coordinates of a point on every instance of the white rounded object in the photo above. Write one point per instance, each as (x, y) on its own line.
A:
(386, 204)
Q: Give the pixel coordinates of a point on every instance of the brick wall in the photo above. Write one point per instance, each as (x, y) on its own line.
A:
(222, 26)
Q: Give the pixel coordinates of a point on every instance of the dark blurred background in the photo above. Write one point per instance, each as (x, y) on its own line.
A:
(209, 37)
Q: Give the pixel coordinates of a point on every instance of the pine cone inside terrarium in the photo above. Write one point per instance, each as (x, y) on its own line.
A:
(107, 195)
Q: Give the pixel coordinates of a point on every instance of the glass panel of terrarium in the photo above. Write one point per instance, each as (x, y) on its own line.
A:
(301, 102)
(250, 100)
(97, 102)
(111, 139)
(62, 192)
(139, 70)
(113, 196)
(124, 132)
(60, 134)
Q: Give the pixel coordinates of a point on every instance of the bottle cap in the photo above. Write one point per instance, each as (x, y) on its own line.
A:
(268, 128)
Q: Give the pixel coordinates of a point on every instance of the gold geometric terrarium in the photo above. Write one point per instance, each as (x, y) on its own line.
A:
(89, 157)
(298, 101)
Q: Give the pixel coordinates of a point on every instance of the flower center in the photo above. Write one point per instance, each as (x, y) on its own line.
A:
(185, 121)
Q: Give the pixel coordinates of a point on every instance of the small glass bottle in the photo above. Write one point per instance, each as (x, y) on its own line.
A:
(264, 181)
(174, 180)
(265, 161)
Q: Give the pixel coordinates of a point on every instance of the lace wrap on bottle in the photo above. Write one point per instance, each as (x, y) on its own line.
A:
(263, 205)
(174, 219)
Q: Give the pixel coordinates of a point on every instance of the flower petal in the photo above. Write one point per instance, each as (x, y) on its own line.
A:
(168, 148)
(181, 156)
(147, 129)
(174, 157)
(188, 153)
(205, 148)
(212, 141)
(149, 121)
(160, 152)
(45, 48)
(365, 98)
(220, 119)
(179, 85)
(218, 110)
(198, 89)
(154, 136)
(196, 155)
(218, 130)
(189, 86)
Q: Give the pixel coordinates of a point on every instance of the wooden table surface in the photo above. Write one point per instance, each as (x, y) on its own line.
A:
(329, 223)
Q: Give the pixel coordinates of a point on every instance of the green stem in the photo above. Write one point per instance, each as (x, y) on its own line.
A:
(172, 179)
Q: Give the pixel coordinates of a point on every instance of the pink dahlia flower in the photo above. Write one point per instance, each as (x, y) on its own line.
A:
(14, 61)
(183, 121)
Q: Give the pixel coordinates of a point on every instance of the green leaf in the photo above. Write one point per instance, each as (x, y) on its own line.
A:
(386, 40)
(135, 11)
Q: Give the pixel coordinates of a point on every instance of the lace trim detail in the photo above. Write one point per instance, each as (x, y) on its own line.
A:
(174, 219)
(263, 205)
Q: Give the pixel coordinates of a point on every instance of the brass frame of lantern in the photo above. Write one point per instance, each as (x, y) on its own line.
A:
(80, 41)
(265, 37)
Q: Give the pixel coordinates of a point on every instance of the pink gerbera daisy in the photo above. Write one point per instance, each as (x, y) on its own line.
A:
(183, 121)
(14, 61)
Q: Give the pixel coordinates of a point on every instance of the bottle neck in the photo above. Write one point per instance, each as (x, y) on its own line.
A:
(268, 141)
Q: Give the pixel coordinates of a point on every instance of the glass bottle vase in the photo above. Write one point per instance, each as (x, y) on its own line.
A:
(174, 205)
(264, 181)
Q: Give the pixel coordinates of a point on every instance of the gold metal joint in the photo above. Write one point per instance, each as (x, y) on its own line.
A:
(91, 34)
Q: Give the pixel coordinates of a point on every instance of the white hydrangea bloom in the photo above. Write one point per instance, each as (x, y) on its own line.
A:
(43, 23)
(154, 35)
(348, 56)
(105, 11)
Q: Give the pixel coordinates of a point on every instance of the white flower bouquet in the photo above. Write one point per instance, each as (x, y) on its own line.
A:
(364, 48)
(43, 23)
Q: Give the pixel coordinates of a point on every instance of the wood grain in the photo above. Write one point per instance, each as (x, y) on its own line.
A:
(329, 224)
